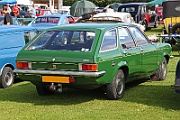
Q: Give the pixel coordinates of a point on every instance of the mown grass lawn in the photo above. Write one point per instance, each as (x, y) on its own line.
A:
(144, 100)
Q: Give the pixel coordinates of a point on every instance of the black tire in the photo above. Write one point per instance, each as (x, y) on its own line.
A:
(156, 24)
(162, 71)
(64, 39)
(176, 28)
(42, 90)
(116, 89)
(6, 78)
(144, 23)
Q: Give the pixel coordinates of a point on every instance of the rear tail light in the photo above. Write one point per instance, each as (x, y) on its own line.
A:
(88, 67)
(23, 65)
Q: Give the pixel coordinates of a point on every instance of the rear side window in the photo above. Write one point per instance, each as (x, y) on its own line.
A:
(47, 20)
(109, 41)
(14, 40)
(125, 38)
(139, 36)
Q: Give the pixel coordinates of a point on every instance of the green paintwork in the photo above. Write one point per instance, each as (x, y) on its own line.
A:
(135, 63)
(26, 20)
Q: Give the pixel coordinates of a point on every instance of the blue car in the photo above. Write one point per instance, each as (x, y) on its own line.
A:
(12, 39)
(47, 21)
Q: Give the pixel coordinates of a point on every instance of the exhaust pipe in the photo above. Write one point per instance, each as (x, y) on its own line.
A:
(59, 88)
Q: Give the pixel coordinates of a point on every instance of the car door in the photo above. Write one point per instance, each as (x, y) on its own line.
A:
(149, 54)
(132, 54)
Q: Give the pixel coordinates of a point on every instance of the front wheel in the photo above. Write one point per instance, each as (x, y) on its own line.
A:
(116, 89)
(6, 78)
(144, 23)
(156, 24)
(162, 71)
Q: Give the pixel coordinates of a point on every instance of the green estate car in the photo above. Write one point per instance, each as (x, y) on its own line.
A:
(91, 55)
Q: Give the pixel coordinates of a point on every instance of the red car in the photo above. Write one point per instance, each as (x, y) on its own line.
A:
(140, 14)
(159, 11)
(40, 12)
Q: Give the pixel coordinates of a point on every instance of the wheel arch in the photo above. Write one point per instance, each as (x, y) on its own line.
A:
(124, 66)
(125, 69)
(175, 27)
(167, 58)
(7, 65)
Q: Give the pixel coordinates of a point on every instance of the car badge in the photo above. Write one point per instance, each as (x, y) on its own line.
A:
(54, 66)
(53, 59)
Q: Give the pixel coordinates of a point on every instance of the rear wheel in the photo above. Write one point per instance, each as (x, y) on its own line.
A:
(156, 24)
(42, 90)
(176, 28)
(116, 89)
(144, 23)
(6, 78)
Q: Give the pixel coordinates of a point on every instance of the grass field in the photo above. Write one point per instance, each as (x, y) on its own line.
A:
(144, 100)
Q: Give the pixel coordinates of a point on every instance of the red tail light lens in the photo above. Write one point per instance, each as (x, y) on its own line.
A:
(22, 65)
(89, 67)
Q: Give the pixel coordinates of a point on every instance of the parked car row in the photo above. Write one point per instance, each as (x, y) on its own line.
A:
(140, 13)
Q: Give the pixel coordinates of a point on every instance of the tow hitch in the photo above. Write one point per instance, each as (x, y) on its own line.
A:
(55, 87)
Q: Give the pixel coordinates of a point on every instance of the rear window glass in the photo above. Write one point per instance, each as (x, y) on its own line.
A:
(64, 40)
(47, 20)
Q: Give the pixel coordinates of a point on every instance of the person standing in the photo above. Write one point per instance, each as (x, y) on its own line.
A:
(8, 8)
(33, 12)
(7, 17)
(16, 10)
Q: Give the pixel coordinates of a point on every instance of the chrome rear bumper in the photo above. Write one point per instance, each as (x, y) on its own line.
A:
(67, 73)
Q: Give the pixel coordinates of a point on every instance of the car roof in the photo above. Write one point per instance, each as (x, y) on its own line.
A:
(15, 28)
(135, 3)
(91, 26)
(53, 15)
(114, 14)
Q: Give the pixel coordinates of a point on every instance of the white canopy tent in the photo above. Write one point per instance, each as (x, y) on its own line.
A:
(25, 2)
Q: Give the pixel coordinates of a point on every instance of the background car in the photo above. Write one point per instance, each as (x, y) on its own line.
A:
(40, 12)
(123, 17)
(140, 13)
(63, 11)
(90, 56)
(47, 21)
(159, 11)
(171, 15)
(12, 39)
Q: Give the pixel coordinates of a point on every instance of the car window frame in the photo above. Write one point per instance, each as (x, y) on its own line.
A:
(142, 34)
(116, 32)
(129, 33)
